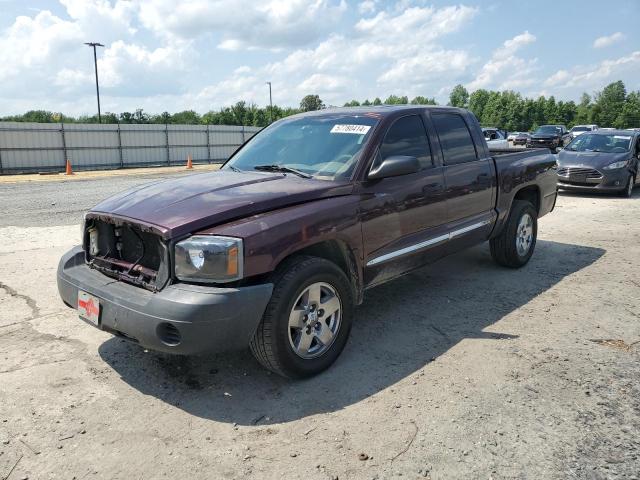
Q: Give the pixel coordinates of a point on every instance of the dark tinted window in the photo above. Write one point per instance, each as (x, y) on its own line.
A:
(455, 138)
(407, 136)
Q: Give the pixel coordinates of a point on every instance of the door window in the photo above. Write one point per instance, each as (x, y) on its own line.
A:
(455, 138)
(407, 136)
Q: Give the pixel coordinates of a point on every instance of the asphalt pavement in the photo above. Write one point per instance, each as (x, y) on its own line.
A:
(63, 202)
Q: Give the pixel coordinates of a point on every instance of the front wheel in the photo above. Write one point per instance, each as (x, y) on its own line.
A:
(307, 321)
(514, 246)
(628, 189)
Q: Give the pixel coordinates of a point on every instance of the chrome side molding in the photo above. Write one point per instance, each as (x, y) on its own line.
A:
(427, 243)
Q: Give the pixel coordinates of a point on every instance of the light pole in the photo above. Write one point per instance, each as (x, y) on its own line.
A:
(95, 64)
(270, 104)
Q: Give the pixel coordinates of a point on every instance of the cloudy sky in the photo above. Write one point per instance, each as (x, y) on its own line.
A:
(202, 54)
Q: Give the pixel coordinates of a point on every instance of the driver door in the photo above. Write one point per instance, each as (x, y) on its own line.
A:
(400, 215)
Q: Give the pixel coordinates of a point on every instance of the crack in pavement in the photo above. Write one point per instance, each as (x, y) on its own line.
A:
(31, 303)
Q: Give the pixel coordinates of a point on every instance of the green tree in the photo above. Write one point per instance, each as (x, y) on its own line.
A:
(396, 100)
(630, 115)
(420, 100)
(311, 102)
(377, 101)
(583, 111)
(352, 103)
(459, 97)
(186, 117)
(609, 103)
(477, 103)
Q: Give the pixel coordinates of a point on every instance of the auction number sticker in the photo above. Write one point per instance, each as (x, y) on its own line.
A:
(355, 129)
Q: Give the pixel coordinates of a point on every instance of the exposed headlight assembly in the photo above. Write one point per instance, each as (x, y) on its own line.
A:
(209, 259)
(616, 165)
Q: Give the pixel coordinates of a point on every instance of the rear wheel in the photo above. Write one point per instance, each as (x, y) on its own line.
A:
(516, 243)
(307, 321)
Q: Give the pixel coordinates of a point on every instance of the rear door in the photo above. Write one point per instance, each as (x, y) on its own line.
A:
(469, 177)
(402, 217)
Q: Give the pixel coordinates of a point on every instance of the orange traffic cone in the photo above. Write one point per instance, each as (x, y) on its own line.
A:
(68, 170)
(189, 162)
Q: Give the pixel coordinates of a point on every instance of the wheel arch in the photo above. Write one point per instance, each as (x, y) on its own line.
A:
(336, 251)
(531, 194)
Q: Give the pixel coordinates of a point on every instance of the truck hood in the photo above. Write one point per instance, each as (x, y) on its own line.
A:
(544, 136)
(185, 205)
(567, 158)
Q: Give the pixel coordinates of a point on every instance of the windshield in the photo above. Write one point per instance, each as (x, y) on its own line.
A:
(590, 142)
(580, 129)
(547, 130)
(326, 147)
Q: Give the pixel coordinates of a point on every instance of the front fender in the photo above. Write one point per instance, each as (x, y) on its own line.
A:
(271, 237)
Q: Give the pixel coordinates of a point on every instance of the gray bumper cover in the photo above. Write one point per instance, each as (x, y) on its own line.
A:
(209, 319)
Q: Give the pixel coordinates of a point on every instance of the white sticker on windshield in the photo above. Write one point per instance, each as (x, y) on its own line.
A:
(355, 129)
(621, 137)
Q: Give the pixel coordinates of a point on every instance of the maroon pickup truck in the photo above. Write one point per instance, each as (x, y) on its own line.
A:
(276, 249)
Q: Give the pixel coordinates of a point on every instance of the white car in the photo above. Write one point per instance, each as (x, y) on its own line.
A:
(580, 129)
(496, 138)
(512, 136)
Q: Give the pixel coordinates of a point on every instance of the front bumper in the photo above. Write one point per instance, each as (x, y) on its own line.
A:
(539, 143)
(611, 181)
(207, 319)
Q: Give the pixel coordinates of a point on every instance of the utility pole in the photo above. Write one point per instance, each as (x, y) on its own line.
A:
(95, 64)
(270, 104)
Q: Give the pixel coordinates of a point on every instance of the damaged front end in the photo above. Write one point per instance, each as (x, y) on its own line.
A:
(126, 251)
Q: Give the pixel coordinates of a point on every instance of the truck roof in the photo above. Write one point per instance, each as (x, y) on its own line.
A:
(378, 110)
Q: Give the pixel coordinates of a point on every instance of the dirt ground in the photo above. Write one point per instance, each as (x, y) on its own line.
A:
(459, 370)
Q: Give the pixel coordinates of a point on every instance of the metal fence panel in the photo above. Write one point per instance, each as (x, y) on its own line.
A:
(94, 146)
(27, 147)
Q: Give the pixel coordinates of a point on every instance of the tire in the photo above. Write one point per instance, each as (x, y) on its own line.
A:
(504, 247)
(273, 344)
(627, 191)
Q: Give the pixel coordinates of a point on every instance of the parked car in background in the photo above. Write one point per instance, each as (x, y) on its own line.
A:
(580, 129)
(602, 161)
(276, 249)
(496, 138)
(522, 138)
(512, 136)
(549, 136)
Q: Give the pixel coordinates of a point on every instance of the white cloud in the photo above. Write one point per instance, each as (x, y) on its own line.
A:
(243, 23)
(367, 6)
(516, 43)
(426, 65)
(505, 70)
(31, 42)
(607, 41)
(596, 76)
(202, 54)
(342, 66)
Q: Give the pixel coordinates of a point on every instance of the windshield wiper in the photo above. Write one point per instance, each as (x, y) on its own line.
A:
(281, 168)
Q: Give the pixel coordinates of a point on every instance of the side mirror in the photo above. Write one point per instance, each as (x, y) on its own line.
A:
(558, 149)
(394, 166)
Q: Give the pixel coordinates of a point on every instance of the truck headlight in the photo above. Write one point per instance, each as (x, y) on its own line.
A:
(616, 165)
(209, 259)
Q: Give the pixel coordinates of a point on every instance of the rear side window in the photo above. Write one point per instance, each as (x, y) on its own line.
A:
(407, 136)
(455, 138)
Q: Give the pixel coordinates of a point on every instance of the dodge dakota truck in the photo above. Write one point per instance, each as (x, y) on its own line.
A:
(276, 249)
